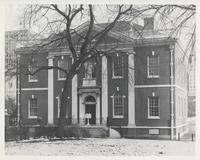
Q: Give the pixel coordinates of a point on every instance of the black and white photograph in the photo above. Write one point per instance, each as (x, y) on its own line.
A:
(99, 79)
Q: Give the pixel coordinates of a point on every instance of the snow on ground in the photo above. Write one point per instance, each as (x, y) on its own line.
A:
(100, 146)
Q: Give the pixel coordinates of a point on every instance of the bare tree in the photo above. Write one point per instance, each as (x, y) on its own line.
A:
(56, 18)
(88, 48)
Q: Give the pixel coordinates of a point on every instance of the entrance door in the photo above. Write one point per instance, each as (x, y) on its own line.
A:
(91, 108)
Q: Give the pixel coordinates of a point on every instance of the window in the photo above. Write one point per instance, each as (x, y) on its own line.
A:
(118, 105)
(32, 68)
(153, 107)
(63, 63)
(33, 108)
(153, 66)
(118, 66)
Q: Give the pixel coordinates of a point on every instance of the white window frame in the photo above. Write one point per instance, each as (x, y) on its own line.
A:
(113, 68)
(29, 76)
(29, 107)
(148, 67)
(153, 117)
(113, 106)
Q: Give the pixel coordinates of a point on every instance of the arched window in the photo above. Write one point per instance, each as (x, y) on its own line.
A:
(118, 105)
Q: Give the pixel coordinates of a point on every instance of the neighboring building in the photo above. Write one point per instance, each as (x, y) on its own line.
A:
(12, 38)
(191, 87)
(141, 90)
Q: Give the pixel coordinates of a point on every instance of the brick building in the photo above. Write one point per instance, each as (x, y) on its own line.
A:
(141, 90)
(11, 40)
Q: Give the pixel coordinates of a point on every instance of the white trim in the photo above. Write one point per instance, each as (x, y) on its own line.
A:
(74, 100)
(33, 80)
(149, 127)
(116, 117)
(160, 86)
(131, 90)
(50, 93)
(34, 89)
(104, 91)
(152, 86)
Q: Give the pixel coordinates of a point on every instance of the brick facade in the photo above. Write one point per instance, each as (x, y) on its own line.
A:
(143, 88)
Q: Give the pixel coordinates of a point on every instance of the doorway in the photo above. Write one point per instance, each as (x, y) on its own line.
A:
(90, 108)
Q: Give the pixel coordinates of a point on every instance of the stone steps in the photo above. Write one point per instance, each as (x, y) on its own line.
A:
(94, 131)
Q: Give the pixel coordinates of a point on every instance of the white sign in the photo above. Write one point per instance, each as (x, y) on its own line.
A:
(88, 115)
(153, 131)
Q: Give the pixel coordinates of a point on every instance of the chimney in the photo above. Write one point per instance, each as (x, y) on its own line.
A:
(149, 23)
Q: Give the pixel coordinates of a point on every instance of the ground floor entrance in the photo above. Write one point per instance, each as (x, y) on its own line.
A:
(91, 109)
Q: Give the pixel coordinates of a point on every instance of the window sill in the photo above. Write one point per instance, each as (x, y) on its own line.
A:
(117, 77)
(61, 79)
(153, 117)
(32, 80)
(89, 78)
(153, 76)
(32, 117)
(118, 117)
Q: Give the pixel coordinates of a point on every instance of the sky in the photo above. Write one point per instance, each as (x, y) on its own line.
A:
(13, 14)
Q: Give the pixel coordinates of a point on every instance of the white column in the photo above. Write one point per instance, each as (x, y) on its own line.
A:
(81, 110)
(131, 91)
(50, 92)
(97, 110)
(74, 100)
(104, 90)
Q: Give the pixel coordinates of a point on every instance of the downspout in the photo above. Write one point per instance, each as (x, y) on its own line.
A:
(18, 90)
(172, 89)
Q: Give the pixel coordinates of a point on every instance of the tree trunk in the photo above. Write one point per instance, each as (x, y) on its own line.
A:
(65, 106)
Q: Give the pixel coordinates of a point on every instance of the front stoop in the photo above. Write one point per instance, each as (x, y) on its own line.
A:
(94, 131)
